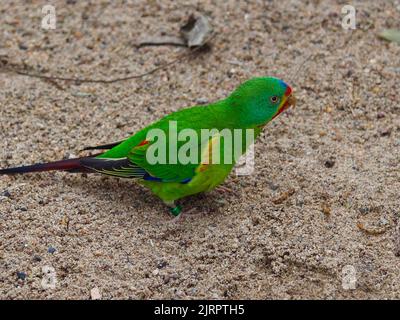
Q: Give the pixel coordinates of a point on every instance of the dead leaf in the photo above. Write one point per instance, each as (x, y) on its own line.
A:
(326, 209)
(65, 222)
(283, 196)
(78, 34)
(391, 35)
(374, 231)
(196, 31)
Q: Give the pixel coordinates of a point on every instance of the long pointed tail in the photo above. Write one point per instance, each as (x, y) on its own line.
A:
(71, 165)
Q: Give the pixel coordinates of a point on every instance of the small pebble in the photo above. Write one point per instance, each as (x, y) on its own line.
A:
(22, 46)
(162, 264)
(329, 163)
(383, 221)
(273, 186)
(231, 72)
(221, 201)
(385, 132)
(202, 100)
(21, 275)
(6, 193)
(380, 115)
(95, 294)
(166, 279)
(36, 258)
(51, 250)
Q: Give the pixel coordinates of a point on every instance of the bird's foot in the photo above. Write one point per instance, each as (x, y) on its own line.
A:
(174, 209)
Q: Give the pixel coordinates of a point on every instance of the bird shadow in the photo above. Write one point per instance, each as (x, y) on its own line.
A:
(121, 190)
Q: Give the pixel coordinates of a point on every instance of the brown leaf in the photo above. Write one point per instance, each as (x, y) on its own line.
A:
(283, 196)
(326, 209)
(374, 231)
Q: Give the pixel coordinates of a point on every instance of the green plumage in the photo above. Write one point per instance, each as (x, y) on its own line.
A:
(250, 106)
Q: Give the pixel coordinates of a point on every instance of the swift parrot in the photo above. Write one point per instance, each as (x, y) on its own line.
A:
(247, 109)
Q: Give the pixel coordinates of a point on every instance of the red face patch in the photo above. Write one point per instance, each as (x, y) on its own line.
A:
(143, 143)
(288, 91)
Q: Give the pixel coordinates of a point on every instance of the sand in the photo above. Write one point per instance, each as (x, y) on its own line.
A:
(319, 216)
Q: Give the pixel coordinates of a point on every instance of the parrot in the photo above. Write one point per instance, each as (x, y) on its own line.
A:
(250, 106)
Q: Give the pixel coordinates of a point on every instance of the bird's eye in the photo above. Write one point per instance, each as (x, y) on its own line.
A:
(274, 99)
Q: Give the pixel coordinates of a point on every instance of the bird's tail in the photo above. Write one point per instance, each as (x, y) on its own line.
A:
(70, 165)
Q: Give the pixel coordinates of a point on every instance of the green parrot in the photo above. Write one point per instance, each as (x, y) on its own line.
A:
(250, 107)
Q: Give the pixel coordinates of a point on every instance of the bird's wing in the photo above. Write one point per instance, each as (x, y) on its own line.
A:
(134, 148)
(164, 172)
(123, 167)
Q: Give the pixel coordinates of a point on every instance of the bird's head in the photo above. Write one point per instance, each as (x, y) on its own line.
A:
(259, 100)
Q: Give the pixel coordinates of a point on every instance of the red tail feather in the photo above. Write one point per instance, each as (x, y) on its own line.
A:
(72, 165)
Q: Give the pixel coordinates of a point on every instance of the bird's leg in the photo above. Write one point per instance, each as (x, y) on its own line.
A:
(176, 211)
(173, 208)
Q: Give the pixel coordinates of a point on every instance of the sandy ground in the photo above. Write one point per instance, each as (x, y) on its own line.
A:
(323, 200)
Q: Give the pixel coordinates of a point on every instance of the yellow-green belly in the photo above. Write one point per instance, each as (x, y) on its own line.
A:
(204, 180)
